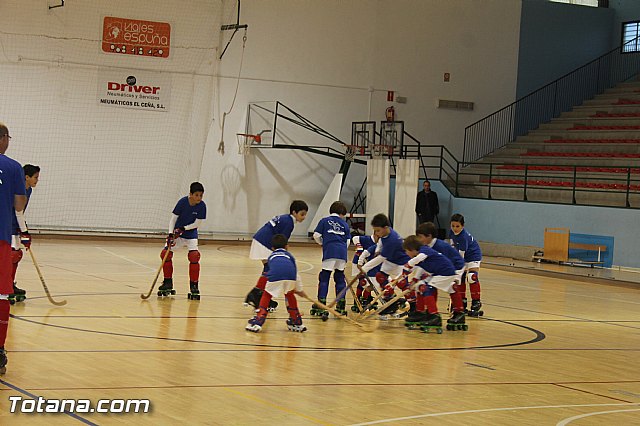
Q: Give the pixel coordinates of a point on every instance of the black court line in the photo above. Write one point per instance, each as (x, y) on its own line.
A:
(539, 336)
(315, 385)
(592, 393)
(35, 397)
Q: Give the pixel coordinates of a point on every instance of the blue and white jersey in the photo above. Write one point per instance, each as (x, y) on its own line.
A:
(187, 214)
(282, 224)
(465, 243)
(282, 266)
(16, 225)
(362, 242)
(392, 249)
(335, 237)
(12, 183)
(450, 253)
(433, 262)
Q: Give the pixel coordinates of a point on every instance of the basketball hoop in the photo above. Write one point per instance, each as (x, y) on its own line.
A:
(351, 151)
(378, 150)
(245, 141)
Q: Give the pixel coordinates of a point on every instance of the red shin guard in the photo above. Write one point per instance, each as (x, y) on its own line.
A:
(167, 266)
(4, 321)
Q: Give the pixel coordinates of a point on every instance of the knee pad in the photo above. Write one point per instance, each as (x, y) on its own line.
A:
(324, 276)
(472, 277)
(194, 256)
(169, 257)
(16, 256)
(381, 278)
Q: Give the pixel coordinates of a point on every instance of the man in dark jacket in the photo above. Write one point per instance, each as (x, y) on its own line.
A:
(427, 206)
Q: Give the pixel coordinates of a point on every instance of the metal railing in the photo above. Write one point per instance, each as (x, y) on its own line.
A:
(517, 119)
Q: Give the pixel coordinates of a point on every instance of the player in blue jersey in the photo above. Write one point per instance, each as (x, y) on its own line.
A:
(334, 235)
(470, 250)
(433, 271)
(282, 279)
(12, 199)
(187, 216)
(21, 232)
(362, 242)
(260, 247)
(392, 258)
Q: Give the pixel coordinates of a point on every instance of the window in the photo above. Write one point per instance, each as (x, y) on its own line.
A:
(630, 36)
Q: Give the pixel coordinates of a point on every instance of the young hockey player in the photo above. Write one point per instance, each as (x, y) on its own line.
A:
(333, 234)
(21, 232)
(282, 279)
(470, 250)
(391, 257)
(434, 271)
(12, 200)
(260, 247)
(362, 243)
(187, 216)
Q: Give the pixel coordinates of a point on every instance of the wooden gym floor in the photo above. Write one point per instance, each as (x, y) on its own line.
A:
(548, 351)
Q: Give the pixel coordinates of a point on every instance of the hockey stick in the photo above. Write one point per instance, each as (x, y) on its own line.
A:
(155, 280)
(384, 306)
(44, 285)
(368, 326)
(343, 291)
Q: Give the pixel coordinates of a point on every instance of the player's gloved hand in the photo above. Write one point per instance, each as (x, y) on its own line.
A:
(406, 269)
(363, 258)
(171, 241)
(25, 239)
(178, 232)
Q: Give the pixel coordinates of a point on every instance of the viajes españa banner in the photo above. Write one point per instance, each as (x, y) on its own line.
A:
(135, 37)
(141, 90)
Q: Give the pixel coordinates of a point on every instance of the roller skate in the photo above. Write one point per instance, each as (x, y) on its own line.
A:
(414, 319)
(3, 361)
(476, 309)
(255, 324)
(320, 312)
(396, 309)
(366, 304)
(18, 295)
(456, 322)
(253, 298)
(194, 292)
(432, 322)
(341, 307)
(166, 289)
(296, 325)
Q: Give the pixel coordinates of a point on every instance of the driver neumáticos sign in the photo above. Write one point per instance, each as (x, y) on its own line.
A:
(135, 37)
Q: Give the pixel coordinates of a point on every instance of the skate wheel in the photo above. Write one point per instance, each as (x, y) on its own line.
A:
(439, 330)
(173, 292)
(481, 313)
(189, 296)
(12, 302)
(325, 317)
(449, 327)
(465, 327)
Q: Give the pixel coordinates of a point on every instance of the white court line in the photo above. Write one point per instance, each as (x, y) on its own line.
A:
(581, 416)
(486, 410)
(306, 263)
(125, 258)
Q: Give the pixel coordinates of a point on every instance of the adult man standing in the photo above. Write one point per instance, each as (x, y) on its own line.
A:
(427, 206)
(12, 200)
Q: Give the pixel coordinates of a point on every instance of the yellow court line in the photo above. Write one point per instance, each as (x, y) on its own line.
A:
(278, 407)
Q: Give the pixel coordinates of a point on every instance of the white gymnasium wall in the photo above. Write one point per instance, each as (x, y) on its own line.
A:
(417, 41)
(332, 61)
(321, 58)
(104, 167)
